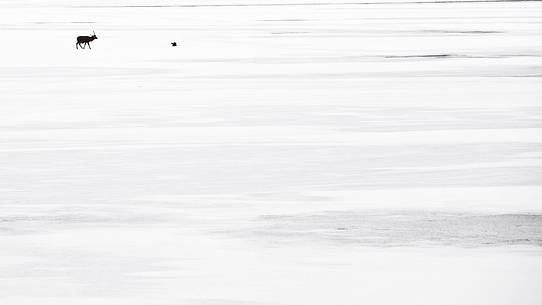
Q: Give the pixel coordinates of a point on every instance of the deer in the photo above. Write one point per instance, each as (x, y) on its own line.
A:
(85, 40)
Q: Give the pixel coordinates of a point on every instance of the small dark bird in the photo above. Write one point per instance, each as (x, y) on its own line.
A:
(174, 44)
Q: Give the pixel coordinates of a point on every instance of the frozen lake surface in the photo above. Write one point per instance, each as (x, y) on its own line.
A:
(285, 153)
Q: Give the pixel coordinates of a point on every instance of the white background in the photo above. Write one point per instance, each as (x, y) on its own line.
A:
(316, 153)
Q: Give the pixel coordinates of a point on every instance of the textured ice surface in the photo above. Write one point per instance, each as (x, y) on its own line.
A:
(398, 228)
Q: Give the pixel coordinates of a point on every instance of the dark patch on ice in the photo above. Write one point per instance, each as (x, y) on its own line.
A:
(337, 59)
(462, 32)
(420, 56)
(403, 228)
(282, 33)
(449, 73)
(525, 75)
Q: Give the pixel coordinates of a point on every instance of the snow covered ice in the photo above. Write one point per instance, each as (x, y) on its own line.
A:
(285, 152)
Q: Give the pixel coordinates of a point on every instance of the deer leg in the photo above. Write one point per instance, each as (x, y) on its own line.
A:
(89, 45)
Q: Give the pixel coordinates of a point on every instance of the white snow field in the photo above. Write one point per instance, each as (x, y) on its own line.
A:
(285, 153)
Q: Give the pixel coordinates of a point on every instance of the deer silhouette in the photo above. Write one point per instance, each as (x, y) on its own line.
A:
(85, 40)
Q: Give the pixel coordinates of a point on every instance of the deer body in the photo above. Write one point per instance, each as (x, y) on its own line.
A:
(85, 40)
